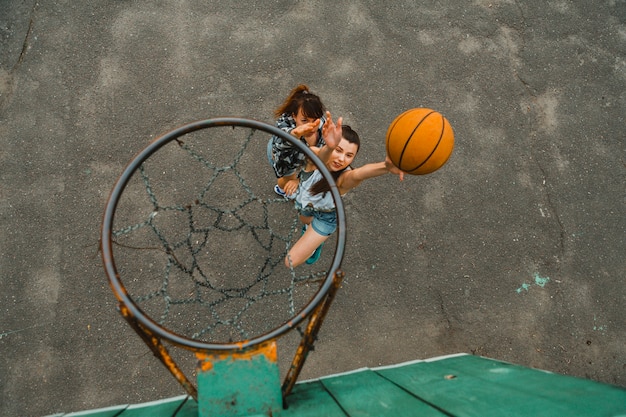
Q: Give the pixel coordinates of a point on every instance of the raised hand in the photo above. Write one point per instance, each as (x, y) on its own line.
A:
(331, 131)
(307, 129)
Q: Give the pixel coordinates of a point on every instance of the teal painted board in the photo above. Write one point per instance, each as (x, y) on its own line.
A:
(310, 399)
(474, 386)
(239, 384)
(458, 386)
(101, 412)
(189, 409)
(563, 394)
(365, 393)
(166, 407)
(185, 405)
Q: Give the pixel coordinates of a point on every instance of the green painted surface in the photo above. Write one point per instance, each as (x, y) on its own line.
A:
(367, 393)
(239, 387)
(102, 412)
(474, 386)
(167, 407)
(189, 409)
(310, 399)
(185, 405)
(458, 386)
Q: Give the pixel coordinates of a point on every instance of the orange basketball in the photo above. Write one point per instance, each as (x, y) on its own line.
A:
(419, 141)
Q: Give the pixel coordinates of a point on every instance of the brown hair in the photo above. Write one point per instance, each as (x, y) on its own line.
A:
(301, 98)
(322, 185)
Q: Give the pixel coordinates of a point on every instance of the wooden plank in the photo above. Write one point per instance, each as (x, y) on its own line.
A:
(166, 407)
(365, 393)
(458, 386)
(189, 409)
(475, 386)
(185, 405)
(100, 412)
(310, 399)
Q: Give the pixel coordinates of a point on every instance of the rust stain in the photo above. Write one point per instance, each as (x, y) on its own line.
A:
(268, 349)
(205, 364)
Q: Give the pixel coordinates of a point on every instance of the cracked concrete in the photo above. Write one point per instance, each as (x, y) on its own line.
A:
(16, 26)
(515, 250)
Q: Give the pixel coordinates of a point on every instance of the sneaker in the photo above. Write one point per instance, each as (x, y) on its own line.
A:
(316, 255)
(283, 194)
(279, 191)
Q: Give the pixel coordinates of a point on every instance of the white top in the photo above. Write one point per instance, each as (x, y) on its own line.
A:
(320, 202)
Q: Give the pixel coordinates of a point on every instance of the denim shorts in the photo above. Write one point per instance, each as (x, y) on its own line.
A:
(324, 222)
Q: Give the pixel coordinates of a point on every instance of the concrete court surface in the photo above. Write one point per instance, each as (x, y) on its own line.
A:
(514, 250)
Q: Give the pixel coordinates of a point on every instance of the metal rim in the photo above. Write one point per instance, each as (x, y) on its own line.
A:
(107, 243)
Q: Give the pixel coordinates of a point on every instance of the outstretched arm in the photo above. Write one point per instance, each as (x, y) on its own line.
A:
(354, 177)
(306, 130)
(332, 136)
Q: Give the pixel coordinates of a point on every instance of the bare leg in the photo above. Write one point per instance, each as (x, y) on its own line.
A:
(305, 246)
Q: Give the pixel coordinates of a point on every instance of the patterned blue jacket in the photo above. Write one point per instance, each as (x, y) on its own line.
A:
(286, 158)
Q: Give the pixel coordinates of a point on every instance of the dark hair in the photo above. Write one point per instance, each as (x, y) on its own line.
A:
(322, 185)
(301, 98)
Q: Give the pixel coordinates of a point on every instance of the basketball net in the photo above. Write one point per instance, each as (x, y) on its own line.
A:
(193, 243)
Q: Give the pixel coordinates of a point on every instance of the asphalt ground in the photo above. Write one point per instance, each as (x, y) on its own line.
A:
(514, 250)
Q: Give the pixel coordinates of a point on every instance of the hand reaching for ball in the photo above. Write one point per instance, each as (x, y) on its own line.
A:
(393, 169)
